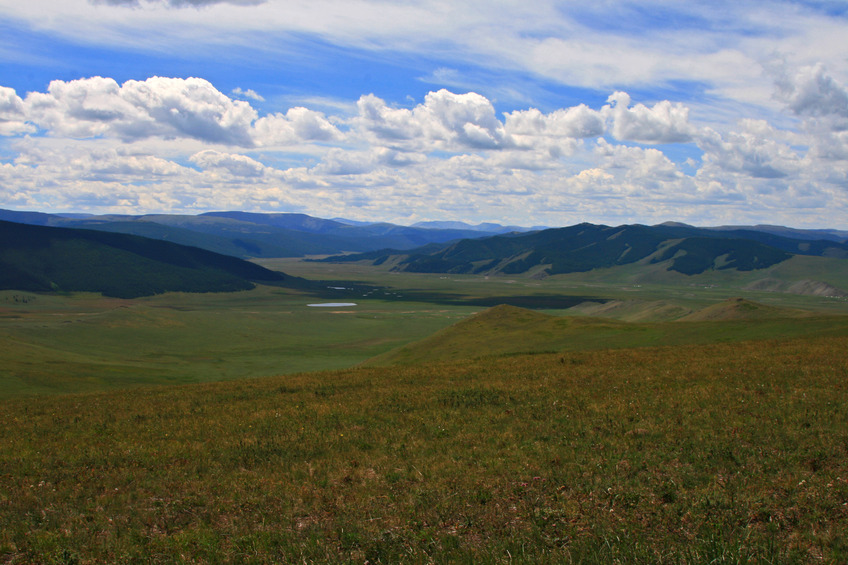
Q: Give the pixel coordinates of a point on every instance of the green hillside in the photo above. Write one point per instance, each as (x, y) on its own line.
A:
(508, 330)
(38, 258)
(741, 309)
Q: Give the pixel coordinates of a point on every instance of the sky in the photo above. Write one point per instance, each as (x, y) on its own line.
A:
(524, 113)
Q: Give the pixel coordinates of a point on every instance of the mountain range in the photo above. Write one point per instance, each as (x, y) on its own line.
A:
(252, 235)
(685, 249)
(125, 255)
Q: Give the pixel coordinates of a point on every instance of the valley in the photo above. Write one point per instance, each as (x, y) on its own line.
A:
(629, 414)
(82, 342)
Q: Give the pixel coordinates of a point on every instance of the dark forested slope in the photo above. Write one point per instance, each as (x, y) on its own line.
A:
(40, 258)
(584, 247)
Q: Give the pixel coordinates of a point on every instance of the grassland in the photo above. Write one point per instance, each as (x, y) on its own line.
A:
(507, 330)
(649, 286)
(85, 342)
(545, 436)
(723, 453)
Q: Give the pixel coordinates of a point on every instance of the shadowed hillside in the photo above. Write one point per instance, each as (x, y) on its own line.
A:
(682, 249)
(38, 258)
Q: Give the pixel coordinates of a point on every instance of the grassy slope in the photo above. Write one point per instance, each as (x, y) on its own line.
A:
(798, 268)
(741, 309)
(726, 453)
(508, 330)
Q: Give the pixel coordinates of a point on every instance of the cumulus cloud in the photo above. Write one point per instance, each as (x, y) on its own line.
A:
(575, 122)
(12, 113)
(180, 144)
(663, 123)
(452, 120)
(165, 107)
(296, 125)
(385, 123)
(812, 92)
(111, 164)
(645, 167)
(467, 118)
(821, 102)
(754, 150)
(340, 162)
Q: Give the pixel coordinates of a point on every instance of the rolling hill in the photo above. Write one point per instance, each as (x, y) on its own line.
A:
(41, 258)
(510, 330)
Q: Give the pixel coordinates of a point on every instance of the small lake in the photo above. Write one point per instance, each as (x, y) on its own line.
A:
(332, 304)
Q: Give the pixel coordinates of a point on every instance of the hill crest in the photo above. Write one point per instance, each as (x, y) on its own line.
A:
(511, 330)
(739, 309)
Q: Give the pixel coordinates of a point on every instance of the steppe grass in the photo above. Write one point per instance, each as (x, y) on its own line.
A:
(85, 342)
(721, 453)
(506, 330)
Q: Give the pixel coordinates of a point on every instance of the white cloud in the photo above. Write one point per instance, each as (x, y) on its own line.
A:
(466, 118)
(445, 119)
(340, 162)
(575, 122)
(249, 93)
(102, 146)
(812, 92)
(12, 113)
(755, 150)
(385, 123)
(295, 126)
(663, 123)
(164, 107)
(644, 166)
(236, 165)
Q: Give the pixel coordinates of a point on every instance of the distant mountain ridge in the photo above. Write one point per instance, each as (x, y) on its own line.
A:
(44, 258)
(264, 235)
(486, 227)
(249, 234)
(687, 250)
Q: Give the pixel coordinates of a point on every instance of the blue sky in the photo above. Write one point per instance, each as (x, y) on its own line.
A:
(530, 113)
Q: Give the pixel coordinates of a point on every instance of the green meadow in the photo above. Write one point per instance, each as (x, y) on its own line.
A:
(624, 419)
(85, 342)
(723, 453)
